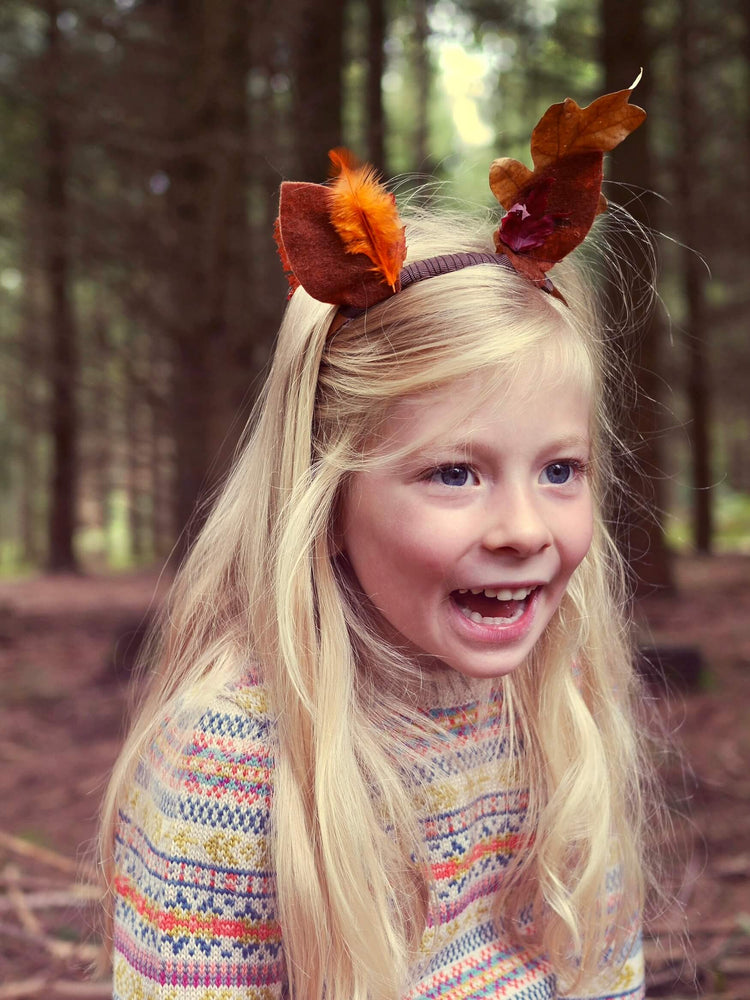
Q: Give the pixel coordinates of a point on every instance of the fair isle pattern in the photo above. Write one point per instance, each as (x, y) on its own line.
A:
(472, 820)
(195, 915)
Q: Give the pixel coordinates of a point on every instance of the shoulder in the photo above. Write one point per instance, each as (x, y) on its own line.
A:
(208, 766)
(194, 885)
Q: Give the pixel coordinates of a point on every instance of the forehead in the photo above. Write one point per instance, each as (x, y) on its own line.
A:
(462, 411)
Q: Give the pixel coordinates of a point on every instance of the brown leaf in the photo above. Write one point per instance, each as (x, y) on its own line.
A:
(507, 178)
(567, 148)
(566, 129)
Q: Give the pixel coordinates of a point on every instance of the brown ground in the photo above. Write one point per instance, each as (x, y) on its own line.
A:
(61, 717)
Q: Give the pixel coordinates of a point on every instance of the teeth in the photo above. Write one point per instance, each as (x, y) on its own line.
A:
(481, 620)
(506, 594)
(501, 595)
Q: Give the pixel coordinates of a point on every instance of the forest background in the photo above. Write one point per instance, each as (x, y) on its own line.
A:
(142, 143)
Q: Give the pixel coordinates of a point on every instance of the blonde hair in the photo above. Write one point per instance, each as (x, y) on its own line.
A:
(263, 585)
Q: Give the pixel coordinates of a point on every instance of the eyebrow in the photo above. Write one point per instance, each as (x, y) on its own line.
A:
(569, 442)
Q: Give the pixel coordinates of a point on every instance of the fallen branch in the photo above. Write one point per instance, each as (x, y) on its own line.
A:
(14, 753)
(77, 896)
(80, 951)
(735, 965)
(737, 867)
(29, 881)
(23, 988)
(82, 990)
(42, 854)
(27, 989)
(17, 902)
(706, 928)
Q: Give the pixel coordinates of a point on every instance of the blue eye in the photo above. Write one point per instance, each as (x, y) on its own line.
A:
(452, 475)
(560, 473)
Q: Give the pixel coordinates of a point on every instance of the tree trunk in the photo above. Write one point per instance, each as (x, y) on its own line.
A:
(625, 46)
(161, 448)
(694, 275)
(374, 112)
(317, 40)
(229, 304)
(64, 362)
(422, 72)
(32, 351)
(100, 428)
(208, 223)
(136, 467)
(189, 182)
(272, 155)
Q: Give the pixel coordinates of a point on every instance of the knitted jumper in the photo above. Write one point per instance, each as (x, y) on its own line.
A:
(195, 908)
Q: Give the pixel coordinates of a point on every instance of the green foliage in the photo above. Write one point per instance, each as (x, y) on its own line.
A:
(732, 530)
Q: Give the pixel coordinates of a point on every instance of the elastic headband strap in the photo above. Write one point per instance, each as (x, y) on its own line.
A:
(418, 270)
(433, 267)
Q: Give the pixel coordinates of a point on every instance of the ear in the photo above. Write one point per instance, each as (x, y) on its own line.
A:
(312, 250)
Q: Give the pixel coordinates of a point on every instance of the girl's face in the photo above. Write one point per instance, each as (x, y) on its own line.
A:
(466, 545)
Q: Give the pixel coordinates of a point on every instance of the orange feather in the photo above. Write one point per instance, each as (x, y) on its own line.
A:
(365, 216)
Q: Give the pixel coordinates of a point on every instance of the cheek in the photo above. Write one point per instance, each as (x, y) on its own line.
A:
(579, 534)
(390, 543)
(378, 540)
(372, 538)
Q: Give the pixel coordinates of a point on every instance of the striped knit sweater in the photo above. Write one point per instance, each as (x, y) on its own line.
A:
(195, 913)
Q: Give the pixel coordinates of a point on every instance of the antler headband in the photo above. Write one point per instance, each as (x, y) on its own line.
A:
(345, 244)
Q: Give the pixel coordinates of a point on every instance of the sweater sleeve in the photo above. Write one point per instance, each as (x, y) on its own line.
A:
(625, 981)
(195, 908)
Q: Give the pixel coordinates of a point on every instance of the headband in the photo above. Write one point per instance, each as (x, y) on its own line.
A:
(345, 244)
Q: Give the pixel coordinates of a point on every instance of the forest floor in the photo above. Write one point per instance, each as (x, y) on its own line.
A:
(62, 706)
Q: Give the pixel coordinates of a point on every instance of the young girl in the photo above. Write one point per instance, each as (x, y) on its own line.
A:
(388, 748)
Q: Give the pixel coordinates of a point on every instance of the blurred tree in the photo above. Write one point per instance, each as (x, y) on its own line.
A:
(206, 122)
(374, 111)
(625, 45)
(144, 215)
(25, 367)
(270, 158)
(423, 79)
(689, 182)
(316, 39)
(55, 70)
(543, 52)
(31, 410)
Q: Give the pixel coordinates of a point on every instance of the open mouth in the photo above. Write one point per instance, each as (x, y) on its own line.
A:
(493, 607)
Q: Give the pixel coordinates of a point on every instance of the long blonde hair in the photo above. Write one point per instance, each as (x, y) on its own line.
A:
(264, 585)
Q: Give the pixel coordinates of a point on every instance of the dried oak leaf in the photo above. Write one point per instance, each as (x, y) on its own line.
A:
(556, 204)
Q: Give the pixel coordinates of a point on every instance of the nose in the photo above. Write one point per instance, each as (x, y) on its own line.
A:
(516, 522)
